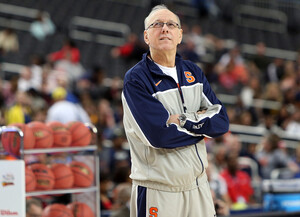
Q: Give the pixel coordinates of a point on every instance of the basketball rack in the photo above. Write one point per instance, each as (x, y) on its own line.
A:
(87, 150)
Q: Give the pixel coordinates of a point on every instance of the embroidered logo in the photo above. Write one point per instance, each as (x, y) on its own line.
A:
(189, 77)
(156, 84)
(198, 126)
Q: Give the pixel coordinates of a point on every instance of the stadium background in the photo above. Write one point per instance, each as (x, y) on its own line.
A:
(96, 27)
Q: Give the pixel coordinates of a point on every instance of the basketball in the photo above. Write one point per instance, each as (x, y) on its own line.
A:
(57, 210)
(80, 209)
(63, 176)
(61, 135)
(43, 134)
(30, 180)
(11, 141)
(81, 135)
(45, 179)
(83, 175)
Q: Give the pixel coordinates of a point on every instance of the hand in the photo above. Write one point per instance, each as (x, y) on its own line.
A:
(221, 208)
(173, 119)
(201, 111)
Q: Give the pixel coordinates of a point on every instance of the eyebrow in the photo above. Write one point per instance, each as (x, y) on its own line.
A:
(158, 20)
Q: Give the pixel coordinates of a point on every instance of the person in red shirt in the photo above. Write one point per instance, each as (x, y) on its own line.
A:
(68, 52)
(238, 182)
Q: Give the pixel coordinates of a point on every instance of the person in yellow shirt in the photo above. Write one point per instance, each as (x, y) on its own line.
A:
(20, 112)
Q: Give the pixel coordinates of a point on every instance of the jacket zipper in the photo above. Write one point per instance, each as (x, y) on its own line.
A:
(181, 96)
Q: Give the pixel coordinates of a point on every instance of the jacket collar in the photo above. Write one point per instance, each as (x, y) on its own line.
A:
(154, 68)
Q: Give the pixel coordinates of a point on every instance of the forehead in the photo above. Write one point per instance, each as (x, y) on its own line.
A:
(163, 15)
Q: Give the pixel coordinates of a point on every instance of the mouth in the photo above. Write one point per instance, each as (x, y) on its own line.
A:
(164, 38)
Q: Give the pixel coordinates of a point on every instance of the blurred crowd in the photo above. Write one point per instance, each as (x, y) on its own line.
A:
(58, 82)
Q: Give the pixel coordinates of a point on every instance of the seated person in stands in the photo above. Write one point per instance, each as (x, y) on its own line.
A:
(271, 156)
(238, 182)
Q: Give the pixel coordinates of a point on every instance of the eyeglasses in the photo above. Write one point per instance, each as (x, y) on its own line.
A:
(170, 25)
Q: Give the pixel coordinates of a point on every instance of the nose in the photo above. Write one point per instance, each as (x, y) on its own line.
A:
(165, 28)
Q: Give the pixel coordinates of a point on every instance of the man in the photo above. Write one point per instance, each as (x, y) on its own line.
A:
(33, 208)
(65, 111)
(169, 108)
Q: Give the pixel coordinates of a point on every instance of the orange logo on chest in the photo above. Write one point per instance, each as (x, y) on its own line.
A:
(189, 77)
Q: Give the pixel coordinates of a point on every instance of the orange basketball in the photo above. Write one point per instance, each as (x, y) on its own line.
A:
(11, 141)
(61, 135)
(57, 210)
(83, 175)
(43, 134)
(80, 209)
(45, 179)
(81, 135)
(30, 180)
(64, 177)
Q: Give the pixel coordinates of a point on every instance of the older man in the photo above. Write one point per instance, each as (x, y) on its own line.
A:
(169, 108)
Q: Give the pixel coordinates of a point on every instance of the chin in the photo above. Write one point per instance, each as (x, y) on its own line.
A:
(167, 48)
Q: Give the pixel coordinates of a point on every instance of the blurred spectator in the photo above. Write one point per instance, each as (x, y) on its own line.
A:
(68, 59)
(117, 154)
(270, 156)
(289, 78)
(260, 59)
(206, 7)
(272, 92)
(69, 52)
(122, 195)
(198, 40)
(217, 183)
(54, 78)
(8, 41)
(219, 49)
(34, 207)
(65, 111)
(42, 26)
(131, 51)
(219, 154)
(188, 51)
(20, 111)
(275, 70)
(106, 119)
(232, 71)
(9, 90)
(24, 82)
(238, 182)
(250, 91)
(246, 118)
(233, 143)
(89, 106)
(222, 209)
(121, 174)
(296, 159)
(32, 76)
(268, 121)
(105, 186)
(99, 87)
(293, 126)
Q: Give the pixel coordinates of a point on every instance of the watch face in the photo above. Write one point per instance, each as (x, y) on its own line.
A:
(182, 117)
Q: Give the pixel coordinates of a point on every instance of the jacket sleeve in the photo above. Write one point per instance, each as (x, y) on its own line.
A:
(149, 119)
(214, 122)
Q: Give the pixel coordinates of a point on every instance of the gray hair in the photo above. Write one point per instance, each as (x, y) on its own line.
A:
(157, 8)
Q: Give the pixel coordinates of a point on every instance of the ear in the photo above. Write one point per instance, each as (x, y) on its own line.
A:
(180, 36)
(146, 39)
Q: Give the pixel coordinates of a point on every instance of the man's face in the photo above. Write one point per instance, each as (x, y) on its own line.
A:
(163, 38)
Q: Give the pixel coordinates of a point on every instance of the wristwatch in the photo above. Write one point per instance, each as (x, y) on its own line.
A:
(182, 120)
